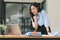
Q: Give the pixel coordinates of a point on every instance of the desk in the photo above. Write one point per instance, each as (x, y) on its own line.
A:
(23, 36)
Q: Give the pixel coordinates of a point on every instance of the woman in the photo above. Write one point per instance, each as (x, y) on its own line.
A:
(39, 19)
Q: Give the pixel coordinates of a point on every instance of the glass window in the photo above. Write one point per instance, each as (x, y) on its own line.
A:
(18, 13)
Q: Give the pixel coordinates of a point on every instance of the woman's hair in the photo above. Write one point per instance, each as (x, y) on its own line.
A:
(37, 5)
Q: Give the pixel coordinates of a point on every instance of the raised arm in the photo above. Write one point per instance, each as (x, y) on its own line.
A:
(35, 23)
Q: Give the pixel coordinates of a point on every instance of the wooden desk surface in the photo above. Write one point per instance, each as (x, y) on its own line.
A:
(23, 36)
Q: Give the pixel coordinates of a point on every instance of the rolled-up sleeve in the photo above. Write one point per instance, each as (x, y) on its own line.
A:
(45, 18)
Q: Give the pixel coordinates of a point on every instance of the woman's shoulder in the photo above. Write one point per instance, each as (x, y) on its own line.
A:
(43, 12)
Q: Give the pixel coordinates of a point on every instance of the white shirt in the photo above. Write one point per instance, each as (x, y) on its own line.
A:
(42, 19)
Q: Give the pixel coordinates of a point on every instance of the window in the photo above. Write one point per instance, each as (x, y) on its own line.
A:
(18, 13)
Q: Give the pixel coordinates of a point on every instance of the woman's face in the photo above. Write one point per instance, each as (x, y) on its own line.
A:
(34, 10)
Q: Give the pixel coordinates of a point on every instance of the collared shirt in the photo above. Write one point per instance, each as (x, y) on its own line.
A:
(42, 19)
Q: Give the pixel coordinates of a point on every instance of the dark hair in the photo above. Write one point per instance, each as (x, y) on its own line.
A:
(37, 5)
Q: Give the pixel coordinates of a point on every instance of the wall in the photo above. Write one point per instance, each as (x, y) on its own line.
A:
(53, 10)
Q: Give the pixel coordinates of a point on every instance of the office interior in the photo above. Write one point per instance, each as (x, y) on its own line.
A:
(17, 13)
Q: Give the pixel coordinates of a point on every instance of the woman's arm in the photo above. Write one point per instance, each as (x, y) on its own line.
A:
(48, 31)
(35, 23)
(46, 21)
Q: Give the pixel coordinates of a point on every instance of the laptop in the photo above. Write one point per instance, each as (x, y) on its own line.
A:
(14, 29)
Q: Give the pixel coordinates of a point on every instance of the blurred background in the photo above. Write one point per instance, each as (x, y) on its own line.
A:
(17, 12)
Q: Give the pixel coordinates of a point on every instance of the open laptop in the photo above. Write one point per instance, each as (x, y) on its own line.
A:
(14, 29)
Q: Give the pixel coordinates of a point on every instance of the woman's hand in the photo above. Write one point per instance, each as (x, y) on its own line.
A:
(49, 33)
(35, 23)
